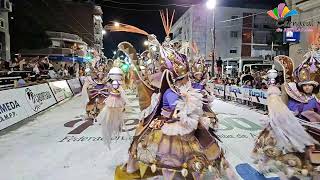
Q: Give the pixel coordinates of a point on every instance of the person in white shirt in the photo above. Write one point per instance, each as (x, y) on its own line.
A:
(52, 74)
(36, 69)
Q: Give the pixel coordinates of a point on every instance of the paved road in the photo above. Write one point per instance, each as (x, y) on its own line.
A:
(57, 145)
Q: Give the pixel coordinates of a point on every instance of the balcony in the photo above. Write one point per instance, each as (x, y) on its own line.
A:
(65, 37)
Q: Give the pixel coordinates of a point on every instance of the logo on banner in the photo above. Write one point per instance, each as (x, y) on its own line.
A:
(282, 12)
(7, 110)
(35, 100)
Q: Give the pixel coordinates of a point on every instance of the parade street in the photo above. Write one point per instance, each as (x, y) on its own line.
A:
(57, 144)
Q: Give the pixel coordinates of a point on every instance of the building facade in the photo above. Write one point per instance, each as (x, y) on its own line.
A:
(241, 35)
(308, 14)
(5, 8)
(81, 18)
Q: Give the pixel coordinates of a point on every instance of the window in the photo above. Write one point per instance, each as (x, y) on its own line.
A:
(1, 23)
(233, 51)
(180, 31)
(234, 34)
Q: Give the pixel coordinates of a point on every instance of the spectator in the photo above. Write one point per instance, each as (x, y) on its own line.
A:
(81, 71)
(246, 77)
(21, 64)
(52, 74)
(264, 86)
(71, 70)
(36, 69)
(280, 78)
(22, 81)
(232, 82)
(65, 72)
(248, 84)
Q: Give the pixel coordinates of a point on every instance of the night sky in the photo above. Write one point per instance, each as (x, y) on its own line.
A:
(148, 18)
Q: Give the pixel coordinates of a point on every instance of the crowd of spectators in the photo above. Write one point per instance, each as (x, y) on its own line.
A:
(34, 70)
(256, 80)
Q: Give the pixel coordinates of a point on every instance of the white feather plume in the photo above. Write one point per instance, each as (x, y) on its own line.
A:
(189, 108)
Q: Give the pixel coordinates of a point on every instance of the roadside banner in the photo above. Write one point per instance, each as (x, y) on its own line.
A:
(61, 90)
(75, 85)
(253, 95)
(12, 108)
(18, 104)
(219, 90)
(36, 98)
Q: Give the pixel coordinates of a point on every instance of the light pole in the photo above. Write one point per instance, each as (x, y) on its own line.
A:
(211, 4)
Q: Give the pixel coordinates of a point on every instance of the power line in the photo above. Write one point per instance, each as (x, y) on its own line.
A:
(148, 4)
(243, 17)
(131, 9)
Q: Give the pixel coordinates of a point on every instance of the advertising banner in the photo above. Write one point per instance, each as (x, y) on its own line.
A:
(75, 85)
(18, 104)
(253, 95)
(234, 91)
(12, 108)
(219, 90)
(61, 90)
(82, 80)
(257, 96)
(36, 98)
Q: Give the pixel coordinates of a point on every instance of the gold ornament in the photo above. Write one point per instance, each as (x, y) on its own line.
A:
(304, 172)
(185, 165)
(184, 172)
(210, 168)
(278, 163)
(153, 168)
(272, 151)
(292, 162)
(197, 166)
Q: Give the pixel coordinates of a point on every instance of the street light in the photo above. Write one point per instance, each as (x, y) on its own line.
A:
(104, 32)
(114, 52)
(211, 4)
(116, 24)
(146, 43)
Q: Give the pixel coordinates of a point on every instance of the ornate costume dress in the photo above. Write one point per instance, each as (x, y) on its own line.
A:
(199, 69)
(285, 147)
(174, 138)
(94, 92)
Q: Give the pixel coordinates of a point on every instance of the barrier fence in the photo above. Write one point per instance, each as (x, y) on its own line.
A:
(246, 94)
(21, 103)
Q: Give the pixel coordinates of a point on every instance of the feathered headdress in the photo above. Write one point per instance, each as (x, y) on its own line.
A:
(308, 72)
(165, 21)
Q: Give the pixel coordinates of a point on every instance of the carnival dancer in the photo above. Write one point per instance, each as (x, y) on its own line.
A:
(308, 74)
(283, 146)
(174, 140)
(302, 85)
(95, 91)
(112, 115)
(199, 78)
